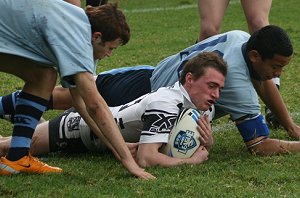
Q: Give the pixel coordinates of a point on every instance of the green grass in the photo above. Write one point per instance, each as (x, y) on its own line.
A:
(230, 171)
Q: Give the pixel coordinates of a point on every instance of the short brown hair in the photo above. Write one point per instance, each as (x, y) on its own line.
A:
(199, 64)
(110, 21)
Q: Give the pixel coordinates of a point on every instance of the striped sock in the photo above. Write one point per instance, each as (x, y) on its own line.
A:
(8, 104)
(29, 109)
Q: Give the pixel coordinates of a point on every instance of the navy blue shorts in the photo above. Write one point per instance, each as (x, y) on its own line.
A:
(123, 85)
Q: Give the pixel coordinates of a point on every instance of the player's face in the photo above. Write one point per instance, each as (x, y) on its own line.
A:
(270, 68)
(205, 90)
(104, 49)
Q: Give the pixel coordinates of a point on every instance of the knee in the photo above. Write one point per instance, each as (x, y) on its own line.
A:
(208, 31)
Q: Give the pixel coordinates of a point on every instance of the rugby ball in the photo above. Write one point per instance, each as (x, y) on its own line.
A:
(184, 136)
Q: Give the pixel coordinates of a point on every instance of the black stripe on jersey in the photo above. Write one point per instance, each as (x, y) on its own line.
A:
(159, 123)
(161, 111)
(121, 123)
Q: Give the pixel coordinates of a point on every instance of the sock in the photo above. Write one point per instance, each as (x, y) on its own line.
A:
(8, 103)
(29, 109)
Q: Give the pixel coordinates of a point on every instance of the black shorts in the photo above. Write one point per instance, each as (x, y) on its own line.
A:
(123, 85)
(58, 140)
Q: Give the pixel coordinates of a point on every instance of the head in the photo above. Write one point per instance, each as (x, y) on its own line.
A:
(109, 29)
(269, 50)
(203, 78)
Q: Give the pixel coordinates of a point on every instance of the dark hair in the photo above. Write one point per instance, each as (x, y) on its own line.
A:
(110, 21)
(200, 63)
(270, 40)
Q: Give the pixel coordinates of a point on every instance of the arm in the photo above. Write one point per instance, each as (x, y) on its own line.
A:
(93, 109)
(148, 155)
(270, 95)
(74, 2)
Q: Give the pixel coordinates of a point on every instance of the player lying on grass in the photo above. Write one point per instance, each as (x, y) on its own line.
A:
(252, 62)
(147, 120)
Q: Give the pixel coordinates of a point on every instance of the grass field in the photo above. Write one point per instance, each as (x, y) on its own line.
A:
(159, 29)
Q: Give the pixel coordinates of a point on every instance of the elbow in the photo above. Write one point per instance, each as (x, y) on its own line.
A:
(145, 161)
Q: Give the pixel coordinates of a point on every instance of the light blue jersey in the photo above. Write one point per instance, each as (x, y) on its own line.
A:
(52, 32)
(238, 98)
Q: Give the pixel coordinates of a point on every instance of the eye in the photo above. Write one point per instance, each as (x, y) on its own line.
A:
(212, 85)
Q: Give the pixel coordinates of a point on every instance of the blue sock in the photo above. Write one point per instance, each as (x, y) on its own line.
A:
(29, 109)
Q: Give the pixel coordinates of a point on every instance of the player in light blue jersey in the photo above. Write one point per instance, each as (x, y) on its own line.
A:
(44, 38)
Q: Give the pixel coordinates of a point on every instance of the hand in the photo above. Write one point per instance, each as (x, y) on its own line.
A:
(295, 132)
(137, 171)
(204, 128)
(200, 155)
(133, 147)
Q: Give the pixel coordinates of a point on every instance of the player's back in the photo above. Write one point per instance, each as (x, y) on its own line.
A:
(167, 72)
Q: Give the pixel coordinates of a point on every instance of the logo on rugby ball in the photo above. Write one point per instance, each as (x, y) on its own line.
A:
(184, 141)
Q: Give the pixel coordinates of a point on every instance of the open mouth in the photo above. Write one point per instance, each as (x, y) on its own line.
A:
(211, 102)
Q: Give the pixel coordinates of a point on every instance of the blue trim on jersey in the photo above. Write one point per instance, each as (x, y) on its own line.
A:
(22, 101)
(126, 69)
(253, 128)
(195, 115)
(201, 46)
(20, 142)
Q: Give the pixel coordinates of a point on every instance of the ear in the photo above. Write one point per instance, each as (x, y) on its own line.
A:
(188, 78)
(96, 36)
(254, 56)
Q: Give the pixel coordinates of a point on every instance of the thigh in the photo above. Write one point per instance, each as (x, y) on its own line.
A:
(212, 11)
(256, 13)
(39, 79)
(119, 87)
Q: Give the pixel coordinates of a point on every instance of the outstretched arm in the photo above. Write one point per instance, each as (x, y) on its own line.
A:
(270, 95)
(149, 155)
(94, 110)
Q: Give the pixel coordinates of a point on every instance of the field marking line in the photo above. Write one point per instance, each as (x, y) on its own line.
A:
(181, 7)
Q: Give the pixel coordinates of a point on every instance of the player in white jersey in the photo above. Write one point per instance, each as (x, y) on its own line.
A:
(148, 119)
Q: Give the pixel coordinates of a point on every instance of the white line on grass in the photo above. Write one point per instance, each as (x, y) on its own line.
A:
(181, 7)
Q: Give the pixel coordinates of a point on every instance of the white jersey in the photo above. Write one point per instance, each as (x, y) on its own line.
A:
(148, 119)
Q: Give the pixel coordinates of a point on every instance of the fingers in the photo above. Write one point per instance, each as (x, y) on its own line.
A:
(148, 176)
(145, 175)
(204, 129)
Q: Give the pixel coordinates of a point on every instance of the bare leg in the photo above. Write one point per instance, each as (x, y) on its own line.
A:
(257, 13)
(275, 146)
(62, 99)
(211, 16)
(39, 144)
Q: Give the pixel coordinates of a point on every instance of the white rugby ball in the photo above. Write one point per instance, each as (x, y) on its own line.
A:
(184, 136)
